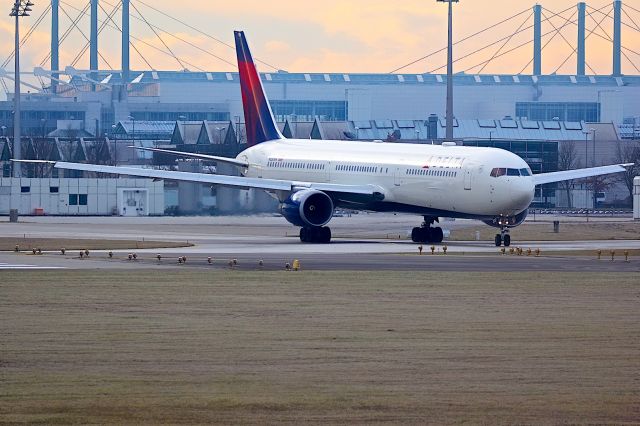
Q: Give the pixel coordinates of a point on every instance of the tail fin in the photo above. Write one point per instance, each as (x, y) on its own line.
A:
(258, 117)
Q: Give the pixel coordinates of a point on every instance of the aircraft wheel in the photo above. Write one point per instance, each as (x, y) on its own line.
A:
(304, 235)
(437, 235)
(498, 240)
(507, 240)
(416, 235)
(325, 235)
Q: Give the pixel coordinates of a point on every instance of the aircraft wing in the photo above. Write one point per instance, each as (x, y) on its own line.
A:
(233, 161)
(224, 180)
(542, 178)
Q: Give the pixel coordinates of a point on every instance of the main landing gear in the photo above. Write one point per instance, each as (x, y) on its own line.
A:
(426, 233)
(503, 237)
(318, 235)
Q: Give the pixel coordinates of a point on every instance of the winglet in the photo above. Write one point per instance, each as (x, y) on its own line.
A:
(259, 121)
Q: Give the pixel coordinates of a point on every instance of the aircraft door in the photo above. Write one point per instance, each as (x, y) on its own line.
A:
(467, 179)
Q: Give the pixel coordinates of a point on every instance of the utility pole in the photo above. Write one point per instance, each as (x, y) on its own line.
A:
(449, 116)
(20, 8)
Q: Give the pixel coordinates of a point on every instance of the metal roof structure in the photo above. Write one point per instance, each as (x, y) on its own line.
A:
(515, 129)
(459, 79)
(145, 127)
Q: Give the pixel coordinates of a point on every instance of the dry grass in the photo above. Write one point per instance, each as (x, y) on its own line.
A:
(569, 231)
(49, 244)
(352, 347)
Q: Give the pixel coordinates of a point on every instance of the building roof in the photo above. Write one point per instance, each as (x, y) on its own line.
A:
(216, 132)
(141, 127)
(186, 132)
(358, 78)
(514, 129)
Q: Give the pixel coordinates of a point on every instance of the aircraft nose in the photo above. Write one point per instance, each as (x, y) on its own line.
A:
(522, 193)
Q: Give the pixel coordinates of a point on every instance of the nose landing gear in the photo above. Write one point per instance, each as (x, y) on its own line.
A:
(503, 237)
(426, 233)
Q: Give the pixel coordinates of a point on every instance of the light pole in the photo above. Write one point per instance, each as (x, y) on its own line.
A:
(593, 148)
(115, 144)
(294, 118)
(490, 135)
(20, 8)
(586, 152)
(133, 130)
(449, 117)
(593, 163)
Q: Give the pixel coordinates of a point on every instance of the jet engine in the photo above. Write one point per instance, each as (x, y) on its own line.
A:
(308, 208)
(508, 221)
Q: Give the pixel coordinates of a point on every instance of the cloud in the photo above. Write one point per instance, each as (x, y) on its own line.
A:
(276, 47)
(334, 36)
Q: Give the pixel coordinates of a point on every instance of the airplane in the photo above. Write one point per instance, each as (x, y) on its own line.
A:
(311, 178)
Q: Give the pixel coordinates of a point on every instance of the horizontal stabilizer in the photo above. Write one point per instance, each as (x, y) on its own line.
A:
(227, 160)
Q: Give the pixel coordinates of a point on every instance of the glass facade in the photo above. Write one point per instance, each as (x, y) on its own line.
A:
(37, 123)
(562, 111)
(180, 116)
(308, 110)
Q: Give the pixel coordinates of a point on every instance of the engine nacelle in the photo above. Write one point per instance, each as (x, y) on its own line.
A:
(508, 221)
(308, 208)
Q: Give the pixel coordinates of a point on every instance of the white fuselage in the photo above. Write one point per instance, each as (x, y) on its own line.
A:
(453, 179)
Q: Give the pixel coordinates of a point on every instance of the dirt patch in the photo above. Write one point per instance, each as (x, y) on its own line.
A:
(216, 346)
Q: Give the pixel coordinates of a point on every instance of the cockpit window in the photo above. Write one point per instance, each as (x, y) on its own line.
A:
(502, 171)
(497, 172)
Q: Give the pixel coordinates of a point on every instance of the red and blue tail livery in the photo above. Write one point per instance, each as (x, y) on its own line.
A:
(259, 121)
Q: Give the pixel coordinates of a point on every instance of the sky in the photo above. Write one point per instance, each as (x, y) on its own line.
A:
(346, 36)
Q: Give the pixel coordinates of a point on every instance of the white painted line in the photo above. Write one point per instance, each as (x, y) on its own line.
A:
(19, 266)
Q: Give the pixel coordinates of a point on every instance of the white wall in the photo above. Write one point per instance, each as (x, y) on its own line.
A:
(367, 101)
(102, 195)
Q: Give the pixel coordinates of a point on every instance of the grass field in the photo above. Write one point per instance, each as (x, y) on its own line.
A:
(49, 244)
(355, 347)
(543, 231)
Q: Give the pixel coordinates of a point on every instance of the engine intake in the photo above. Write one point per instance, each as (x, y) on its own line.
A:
(308, 208)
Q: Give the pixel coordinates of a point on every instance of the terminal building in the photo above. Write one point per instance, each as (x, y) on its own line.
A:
(94, 115)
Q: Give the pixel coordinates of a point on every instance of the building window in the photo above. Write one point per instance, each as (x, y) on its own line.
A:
(307, 110)
(73, 199)
(25, 189)
(54, 189)
(563, 111)
(82, 199)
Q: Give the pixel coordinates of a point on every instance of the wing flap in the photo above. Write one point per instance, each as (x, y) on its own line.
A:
(543, 178)
(224, 180)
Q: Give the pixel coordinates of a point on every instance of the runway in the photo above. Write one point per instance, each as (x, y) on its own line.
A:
(366, 242)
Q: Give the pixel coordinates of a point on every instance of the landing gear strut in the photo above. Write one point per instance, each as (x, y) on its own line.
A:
(503, 237)
(316, 234)
(426, 233)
